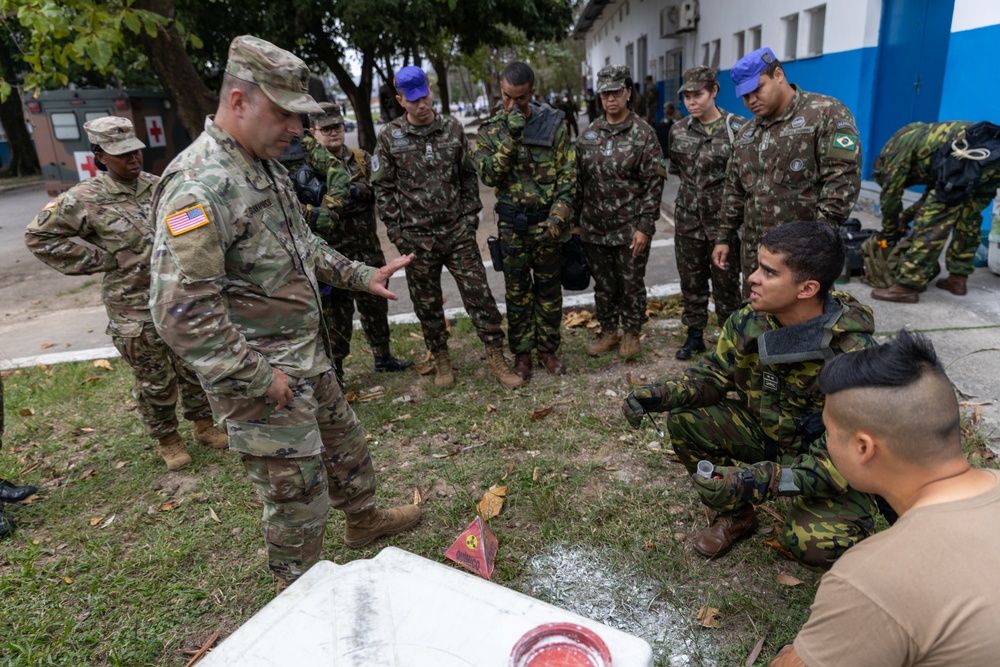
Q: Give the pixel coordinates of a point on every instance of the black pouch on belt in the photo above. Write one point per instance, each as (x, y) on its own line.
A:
(496, 254)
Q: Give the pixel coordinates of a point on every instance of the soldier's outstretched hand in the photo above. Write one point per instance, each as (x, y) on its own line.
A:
(640, 401)
(380, 281)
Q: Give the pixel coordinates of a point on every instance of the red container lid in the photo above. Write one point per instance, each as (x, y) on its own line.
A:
(560, 645)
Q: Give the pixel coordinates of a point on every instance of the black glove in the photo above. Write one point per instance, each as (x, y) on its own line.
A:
(640, 401)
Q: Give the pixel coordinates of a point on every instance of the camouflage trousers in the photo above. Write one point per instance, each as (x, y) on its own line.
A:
(619, 286)
(695, 267)
(531, 270)
(339, 304)
(460, 254)
(301, 460)
(817, 529)
(159, 373)
(931, 225)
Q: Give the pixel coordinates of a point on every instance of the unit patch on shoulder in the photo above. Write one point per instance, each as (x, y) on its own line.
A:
(51, 205)
(398, 133)
(748, 133)
(844, 146)
(187, 219)
(376, 164)
(846, 125)
(796, 165)
(798, 121)
(590, 134)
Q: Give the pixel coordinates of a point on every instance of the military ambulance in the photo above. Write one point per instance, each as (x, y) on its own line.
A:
(57, 118)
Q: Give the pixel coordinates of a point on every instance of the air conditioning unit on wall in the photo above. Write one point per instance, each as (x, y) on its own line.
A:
(687, 19)
(669, 20)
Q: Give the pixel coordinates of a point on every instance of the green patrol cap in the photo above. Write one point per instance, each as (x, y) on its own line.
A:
(612, 78)
(282, 76)
(113, 134)
(696, 78)
(331, 115)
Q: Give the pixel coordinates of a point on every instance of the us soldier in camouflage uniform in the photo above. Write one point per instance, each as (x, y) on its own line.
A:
(235, 292)
(907, 159)
(428, 197)
(349, 226)
(799, 158)
(770, 353)
(524, 152)
(111, 212)
(700, 148)
(620, 183)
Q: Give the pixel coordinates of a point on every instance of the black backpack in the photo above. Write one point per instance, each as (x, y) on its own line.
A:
(575, 272)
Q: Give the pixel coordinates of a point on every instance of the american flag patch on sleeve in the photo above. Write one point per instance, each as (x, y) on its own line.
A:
(51, 205)
(186, 220)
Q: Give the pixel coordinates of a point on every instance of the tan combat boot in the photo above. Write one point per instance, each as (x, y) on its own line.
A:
(172, 451)
(207, 433)
(630, 347)
(444, 374)
(501, 370)
(608, 342)
(365, 527)
(727, 529)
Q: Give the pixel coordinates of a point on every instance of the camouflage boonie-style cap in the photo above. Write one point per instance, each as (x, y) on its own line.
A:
(330, 115)
(113, 134)
(696, 78)
(282, 76)
(612, 78)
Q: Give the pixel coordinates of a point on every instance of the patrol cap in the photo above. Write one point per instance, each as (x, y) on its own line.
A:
(697, 78)
(612, 78)
(113, 134)
(412, 83)
(282, 76)
(331, 115)
(746, 72)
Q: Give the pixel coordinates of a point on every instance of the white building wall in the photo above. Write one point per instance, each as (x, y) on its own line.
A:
(971, 14)
(623, 24)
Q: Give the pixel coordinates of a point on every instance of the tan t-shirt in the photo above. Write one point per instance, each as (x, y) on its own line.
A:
(926, 592)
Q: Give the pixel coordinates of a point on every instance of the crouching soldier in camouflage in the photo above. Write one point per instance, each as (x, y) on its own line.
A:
(428, 197)
(349, 226)
(770, 353)
(524, 152)
(111, 212)
(618, 203)
(236, 293)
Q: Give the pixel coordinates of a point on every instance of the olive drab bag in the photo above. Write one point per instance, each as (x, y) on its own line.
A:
(882, 260)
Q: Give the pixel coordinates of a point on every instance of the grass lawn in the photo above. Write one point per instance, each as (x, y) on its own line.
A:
(118, 561)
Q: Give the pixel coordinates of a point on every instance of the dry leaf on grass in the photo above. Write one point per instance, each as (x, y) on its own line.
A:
(776, 545)
(510, 469)
(46, 346)
(491, 503)
(200, 653)
(26, 412)
(534, 474)
(29, 468)
(541, 413)
(368, 398)
(121, 464)
(351, 396)
(423, 369)
(401, 417)
(103, 363)
(169, 505)
(91, 378)
(110, 520)
(94, 520)
(778, 516)
(68, 580)
(752, 658)
(491, 408)
(709, 617)
(89, 472)
(577, 318)
(416, 497)
(215, 517)
(787, 580)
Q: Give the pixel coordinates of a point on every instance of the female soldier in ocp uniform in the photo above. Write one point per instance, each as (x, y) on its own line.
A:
(111, 212)
(700, 148)
(620, 172)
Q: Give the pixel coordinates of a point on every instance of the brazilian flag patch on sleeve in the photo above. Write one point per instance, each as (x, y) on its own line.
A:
(844, 146)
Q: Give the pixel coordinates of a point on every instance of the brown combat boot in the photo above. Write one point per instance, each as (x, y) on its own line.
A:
(954, 284)
(500, 369)
(896, 293)
(552, 363)
(365, 527)
(206, 432)
(444, 373)
(608, 342)
(522, 365)
(173, 452)
(726, 530)
(630, 346)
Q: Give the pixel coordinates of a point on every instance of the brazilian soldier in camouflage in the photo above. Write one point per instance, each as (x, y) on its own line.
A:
(524, 152)
(111, 213)
(618, 203)
(700, 148)
(351, 230)
(909, 158)
(770, 353)
(799, 158)
(428, 197)
(235, 292)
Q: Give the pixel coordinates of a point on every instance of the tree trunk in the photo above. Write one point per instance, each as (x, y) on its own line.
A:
(441, 68)
(23, 158)
(177, 75)
(360, 94)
